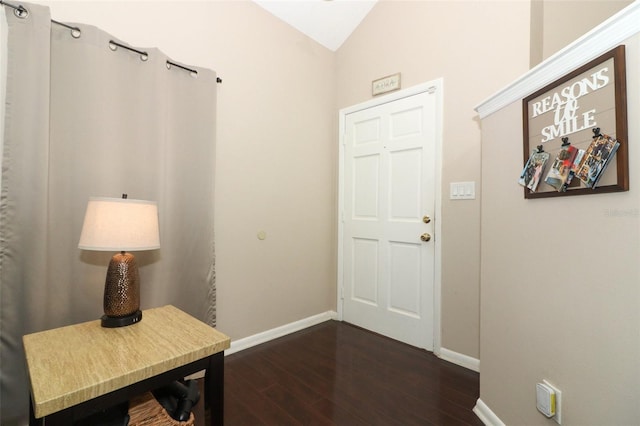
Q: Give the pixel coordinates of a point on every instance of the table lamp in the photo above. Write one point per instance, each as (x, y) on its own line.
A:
(123, 225)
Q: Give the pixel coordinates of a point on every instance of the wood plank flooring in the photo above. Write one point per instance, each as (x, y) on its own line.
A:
(338, 374)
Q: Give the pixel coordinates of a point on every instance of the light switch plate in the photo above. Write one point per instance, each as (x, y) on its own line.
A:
(462, 191)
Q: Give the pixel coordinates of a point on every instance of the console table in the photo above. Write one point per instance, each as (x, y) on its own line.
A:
(81, 369)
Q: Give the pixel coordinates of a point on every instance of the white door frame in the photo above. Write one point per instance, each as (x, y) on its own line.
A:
(431, 86)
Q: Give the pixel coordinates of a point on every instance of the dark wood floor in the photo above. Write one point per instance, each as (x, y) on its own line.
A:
(338, 374)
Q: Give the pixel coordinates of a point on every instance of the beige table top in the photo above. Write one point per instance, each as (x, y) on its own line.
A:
(73, 364)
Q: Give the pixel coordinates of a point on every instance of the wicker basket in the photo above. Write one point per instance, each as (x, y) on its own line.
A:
(145, 410)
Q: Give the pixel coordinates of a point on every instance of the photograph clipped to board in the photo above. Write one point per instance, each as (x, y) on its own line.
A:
(561, 168)
(574, 169)
(534, 169)
(596, 159)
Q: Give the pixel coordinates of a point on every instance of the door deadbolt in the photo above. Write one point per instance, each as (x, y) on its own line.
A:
(425, 237)
(426, 219)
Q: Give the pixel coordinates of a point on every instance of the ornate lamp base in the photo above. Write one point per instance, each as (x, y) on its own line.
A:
(122, 292)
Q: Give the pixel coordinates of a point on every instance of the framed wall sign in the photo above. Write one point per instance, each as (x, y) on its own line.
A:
(580, 121)
(385, 84)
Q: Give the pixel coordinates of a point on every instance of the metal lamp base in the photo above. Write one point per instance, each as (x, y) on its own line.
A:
(122, 292)
(113, 322)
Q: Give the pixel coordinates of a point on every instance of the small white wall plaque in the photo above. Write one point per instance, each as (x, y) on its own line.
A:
(385, 84)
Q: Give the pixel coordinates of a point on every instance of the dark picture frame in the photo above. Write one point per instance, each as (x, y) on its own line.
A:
(577, 107)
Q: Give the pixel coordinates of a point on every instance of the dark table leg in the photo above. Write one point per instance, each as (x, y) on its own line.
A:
(32, 419)
(214, 389)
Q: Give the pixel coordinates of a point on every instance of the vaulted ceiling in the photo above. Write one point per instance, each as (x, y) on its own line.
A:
(329, 22)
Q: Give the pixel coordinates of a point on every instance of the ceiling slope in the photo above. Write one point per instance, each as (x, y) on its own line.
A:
(329, 23)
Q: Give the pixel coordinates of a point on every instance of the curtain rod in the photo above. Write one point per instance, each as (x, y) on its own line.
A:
(144, 56)
(21, 12)
(75, 31)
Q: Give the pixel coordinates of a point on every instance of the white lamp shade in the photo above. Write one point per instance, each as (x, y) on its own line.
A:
(118, 224)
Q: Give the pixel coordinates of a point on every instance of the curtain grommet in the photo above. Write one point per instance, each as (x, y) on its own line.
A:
(21, 12)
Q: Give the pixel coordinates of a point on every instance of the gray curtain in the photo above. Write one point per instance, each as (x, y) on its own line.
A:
(81, 120)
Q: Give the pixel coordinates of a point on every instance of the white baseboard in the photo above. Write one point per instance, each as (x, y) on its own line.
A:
(459, 359)
(485, 414)
(274, 333)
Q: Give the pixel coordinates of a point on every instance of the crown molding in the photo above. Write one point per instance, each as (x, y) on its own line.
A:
(604, 37)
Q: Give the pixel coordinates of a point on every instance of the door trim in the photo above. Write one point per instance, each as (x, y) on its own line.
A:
(434, 86)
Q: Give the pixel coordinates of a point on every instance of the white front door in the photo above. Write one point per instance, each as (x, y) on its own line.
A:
(388, 201)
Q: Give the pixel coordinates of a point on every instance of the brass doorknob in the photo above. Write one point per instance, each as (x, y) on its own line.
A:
(425, 237)
(426, 219)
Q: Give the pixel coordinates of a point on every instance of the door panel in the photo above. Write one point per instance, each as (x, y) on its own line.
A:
(406, 123)
(404, 297)
(365, 278)
(366, 171)
(389, 186)
(366, 131)
(405, 189)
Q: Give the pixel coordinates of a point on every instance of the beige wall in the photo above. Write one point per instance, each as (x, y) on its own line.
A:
(556, 23)
(275, 165)
(559, 284)
(277, 144)
(476, 47)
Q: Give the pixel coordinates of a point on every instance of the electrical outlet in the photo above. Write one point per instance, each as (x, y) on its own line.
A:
(545, 400)
(558, 416)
